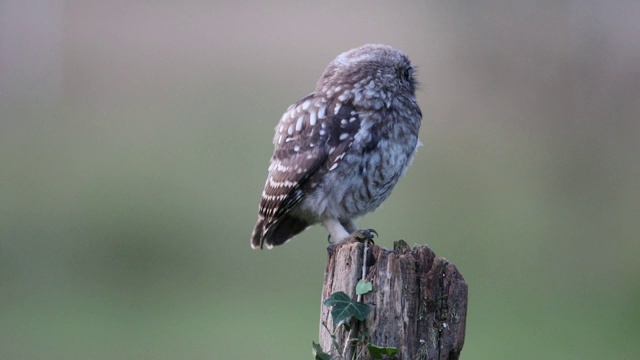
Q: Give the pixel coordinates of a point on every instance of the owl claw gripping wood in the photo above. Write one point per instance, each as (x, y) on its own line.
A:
(340, 150)
(364, 236)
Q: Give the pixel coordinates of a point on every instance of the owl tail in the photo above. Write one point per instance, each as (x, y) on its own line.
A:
(278, 232)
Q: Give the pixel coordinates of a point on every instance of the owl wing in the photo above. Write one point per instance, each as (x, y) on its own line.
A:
(311, 139)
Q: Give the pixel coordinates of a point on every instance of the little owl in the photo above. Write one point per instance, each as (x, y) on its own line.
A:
(340, 150)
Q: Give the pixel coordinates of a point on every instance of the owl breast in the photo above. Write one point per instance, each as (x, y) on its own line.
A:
(379, 157)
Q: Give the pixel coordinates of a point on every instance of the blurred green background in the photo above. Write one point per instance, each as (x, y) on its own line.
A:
(135, 138)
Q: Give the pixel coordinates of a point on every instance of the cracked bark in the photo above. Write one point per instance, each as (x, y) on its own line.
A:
(418, 303)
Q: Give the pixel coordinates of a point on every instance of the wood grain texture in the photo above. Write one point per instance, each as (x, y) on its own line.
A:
(418, 303)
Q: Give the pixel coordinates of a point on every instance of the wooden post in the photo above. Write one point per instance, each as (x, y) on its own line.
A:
(418, 303)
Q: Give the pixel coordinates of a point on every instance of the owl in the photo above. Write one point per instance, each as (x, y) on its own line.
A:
(340, 150)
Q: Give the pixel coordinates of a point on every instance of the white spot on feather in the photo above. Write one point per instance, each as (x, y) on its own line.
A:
(321, 111)
(299, 123)
(344, 136)
(312, 118)
(278, 184)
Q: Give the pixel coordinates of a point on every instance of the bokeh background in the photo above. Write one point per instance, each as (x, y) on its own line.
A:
(135, 138)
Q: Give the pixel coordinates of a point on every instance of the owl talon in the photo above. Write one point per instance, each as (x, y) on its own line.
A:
(364, 235)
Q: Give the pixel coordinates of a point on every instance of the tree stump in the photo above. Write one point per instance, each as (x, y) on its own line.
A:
(418, 303)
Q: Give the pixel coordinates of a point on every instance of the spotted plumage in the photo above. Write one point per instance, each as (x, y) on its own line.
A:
(340, 150)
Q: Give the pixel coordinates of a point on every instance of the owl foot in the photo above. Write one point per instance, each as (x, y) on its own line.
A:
(364, 236)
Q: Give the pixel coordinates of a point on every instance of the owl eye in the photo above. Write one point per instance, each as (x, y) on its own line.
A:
(406, 74)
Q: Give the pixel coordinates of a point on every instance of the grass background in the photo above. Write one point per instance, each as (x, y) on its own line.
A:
(135, 137)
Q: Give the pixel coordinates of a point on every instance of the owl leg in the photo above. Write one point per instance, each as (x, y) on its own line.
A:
(336, 230)
(350, 226)
(342, 231)
(357, 234)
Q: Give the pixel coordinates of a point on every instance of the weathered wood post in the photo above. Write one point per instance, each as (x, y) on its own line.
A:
(418, 303)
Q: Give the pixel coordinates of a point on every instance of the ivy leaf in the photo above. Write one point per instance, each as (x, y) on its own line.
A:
(378, 352)
(318, 353)
(363, 287)
(344, 309)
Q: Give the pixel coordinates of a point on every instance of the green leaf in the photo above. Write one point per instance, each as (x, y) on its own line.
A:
(336, 298)
(363, 287)
(318, 353)
(378, 352)
(344, 309)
